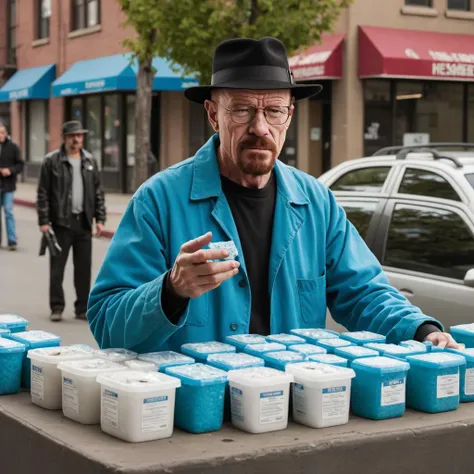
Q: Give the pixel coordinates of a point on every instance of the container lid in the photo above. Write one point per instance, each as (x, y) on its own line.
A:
(363, 336)
(139, 381)
(315, 372)
(13, 321)
(31, 338)
(381, 365)
(283, 356)
(266, 347)
(58, 354)
(315, 333)
(259, 377)
(307, 349)
(327, 359)
(142, 365)
(393, 349)
(85, 347)
(198, 374)
(165, 359)
(356, 351)
(4, 331)
(464, 328)
(245, 339)
(441, 360)
(203, 348)
(335, 342)
(116, 354)
(415, 345)
(468, 354)
(89, 367)
(286, 338)
(9, 346)
(232, 361)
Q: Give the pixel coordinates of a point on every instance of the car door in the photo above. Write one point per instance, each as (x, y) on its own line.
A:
(427, 249)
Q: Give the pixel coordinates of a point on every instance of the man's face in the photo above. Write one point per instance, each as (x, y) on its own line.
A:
(74, 142)
(3, 134)
(255, 146)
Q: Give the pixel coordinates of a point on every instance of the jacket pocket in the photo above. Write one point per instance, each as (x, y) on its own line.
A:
(312, 299)
(198, 311)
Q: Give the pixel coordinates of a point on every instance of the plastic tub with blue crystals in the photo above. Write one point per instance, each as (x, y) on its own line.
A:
(433, 382)
(362, 337)
(242, 340)
(33, 340)
(286, 339)
(330, 359)
(307, 349)
(116, 355)
(420, 347)
(352, 353)
(200, 350)
(235, 361)
(13, 322)
(462, 333)
(200, 399)
(467, 374)
(11, 361)
(332, 344)
(165, 359)
(311, 335)
(379, 389)
(258, 350)
(278, 360)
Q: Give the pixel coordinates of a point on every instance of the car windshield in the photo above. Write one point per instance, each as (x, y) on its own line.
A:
(470, 178)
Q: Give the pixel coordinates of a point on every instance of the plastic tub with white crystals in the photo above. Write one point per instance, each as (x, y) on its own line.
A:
(200, 350)
(242, 340)
(330, 359)
(11, 361)
(137, 406)
(259, 399)
(286, 339)
(46, 381)
(363, 337)
(307, 349)
(462, 333)
(321, 394)
(141, 365)
(352, 353)
(258, 350)
(165, 359)
(80, 390)
(13, 322)
(312, 335)
(116, 355)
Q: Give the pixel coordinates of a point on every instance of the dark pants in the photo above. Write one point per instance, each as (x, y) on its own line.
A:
(79, 237)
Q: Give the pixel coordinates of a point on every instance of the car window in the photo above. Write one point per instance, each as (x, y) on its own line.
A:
(470, 178)
(429, 240)
(369, 180)
(427, 183)
(360, 214)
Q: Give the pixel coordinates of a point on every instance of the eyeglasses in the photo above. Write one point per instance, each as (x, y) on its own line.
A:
(274, 114)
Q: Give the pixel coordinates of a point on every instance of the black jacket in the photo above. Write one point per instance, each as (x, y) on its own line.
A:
(10, 157)
(54, 196)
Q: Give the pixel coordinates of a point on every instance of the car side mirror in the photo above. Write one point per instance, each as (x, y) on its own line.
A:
(469, 278)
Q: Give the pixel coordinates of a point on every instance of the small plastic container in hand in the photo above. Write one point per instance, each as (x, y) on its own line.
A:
(33, 340)
(392, 350)
(4, 331)
(259, 399)
(13, 322)
(379, 388)
(307, 349)
(165, 359)
(467, 374)
(362, 337)
(116, 355)
(332, 344)
(311, 335)
(139, 365)
(321, 394)
(352, 353)
(434, 381)
(420, 347)
(46, 380)
(286, 339)
(330, 359)
(258, 350)
(200, 400)
(278, 360)
(137, 406)
(80, 390)
(11, 361)
(462, 333)
(242, 340)
(200, 350)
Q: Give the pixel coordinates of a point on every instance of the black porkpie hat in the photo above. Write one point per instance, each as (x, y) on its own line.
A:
(244, 63)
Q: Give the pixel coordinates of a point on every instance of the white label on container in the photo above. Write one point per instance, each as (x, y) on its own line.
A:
(393, 392)
(447, 386)
(272, 407)
(237, 408)
(469, 384)
(37, 382)
(109, 410)
(155, 414)
(334, 402)
(299, 399)
(70, 397)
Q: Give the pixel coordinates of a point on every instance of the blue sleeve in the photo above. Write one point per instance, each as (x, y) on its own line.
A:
(360, 296)
(125, 302)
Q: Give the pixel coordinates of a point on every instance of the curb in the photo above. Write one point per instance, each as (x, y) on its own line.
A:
(106, 234)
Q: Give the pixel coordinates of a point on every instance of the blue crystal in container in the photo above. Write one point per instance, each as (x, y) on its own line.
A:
(11, 361)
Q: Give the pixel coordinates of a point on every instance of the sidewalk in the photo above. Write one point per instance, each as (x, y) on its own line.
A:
(116, 204)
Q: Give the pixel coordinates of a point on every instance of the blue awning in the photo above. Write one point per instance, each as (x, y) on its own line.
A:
(109, 73)
(32, 83)
(167, 80)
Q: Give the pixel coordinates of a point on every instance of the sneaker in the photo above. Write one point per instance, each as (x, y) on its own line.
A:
(56, 316)
(81, 316)
(12, 247)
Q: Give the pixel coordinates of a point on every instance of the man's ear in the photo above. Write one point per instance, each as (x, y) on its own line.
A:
(211, 110)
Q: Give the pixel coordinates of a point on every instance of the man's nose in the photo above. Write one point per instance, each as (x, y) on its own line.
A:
(259, 125)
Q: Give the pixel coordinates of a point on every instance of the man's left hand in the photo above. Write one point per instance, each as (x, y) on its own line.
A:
(99, 229)
(5, 172)
(443, 340)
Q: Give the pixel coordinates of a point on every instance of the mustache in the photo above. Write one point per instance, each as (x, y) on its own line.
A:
(258, 142)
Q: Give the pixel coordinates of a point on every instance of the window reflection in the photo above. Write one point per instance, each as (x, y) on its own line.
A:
(369, 180)
(94, 137)
(111, 156)
(360, 214)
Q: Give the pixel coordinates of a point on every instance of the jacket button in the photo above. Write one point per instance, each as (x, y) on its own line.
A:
(242, 283)
(233, 327)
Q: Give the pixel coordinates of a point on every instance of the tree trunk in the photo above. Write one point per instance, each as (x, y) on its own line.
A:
(143, 120)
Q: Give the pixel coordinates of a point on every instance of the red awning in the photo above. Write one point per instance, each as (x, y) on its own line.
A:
(321, 61)
(388, 52)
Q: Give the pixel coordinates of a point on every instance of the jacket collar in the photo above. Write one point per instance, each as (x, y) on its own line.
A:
(85, 155)
(206, 181)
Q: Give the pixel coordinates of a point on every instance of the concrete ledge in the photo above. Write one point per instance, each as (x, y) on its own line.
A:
(419, 11)
(40, 42)
(459, 15)
(84, 31)
(417, 443)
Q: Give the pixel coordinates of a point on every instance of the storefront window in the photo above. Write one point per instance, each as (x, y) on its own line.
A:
(112, 130)
(199, 127)
(76, 109)
(470, 112)
(131, 130)
(37, 130)
(93, 124)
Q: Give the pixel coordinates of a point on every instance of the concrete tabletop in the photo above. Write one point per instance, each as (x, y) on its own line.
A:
(34, 440)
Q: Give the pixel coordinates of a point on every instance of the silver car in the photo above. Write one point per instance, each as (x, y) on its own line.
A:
(414, 207)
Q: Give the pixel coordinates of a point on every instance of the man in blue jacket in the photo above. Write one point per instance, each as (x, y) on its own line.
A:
(161, 285)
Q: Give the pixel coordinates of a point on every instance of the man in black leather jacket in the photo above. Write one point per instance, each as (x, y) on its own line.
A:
(70, 198)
